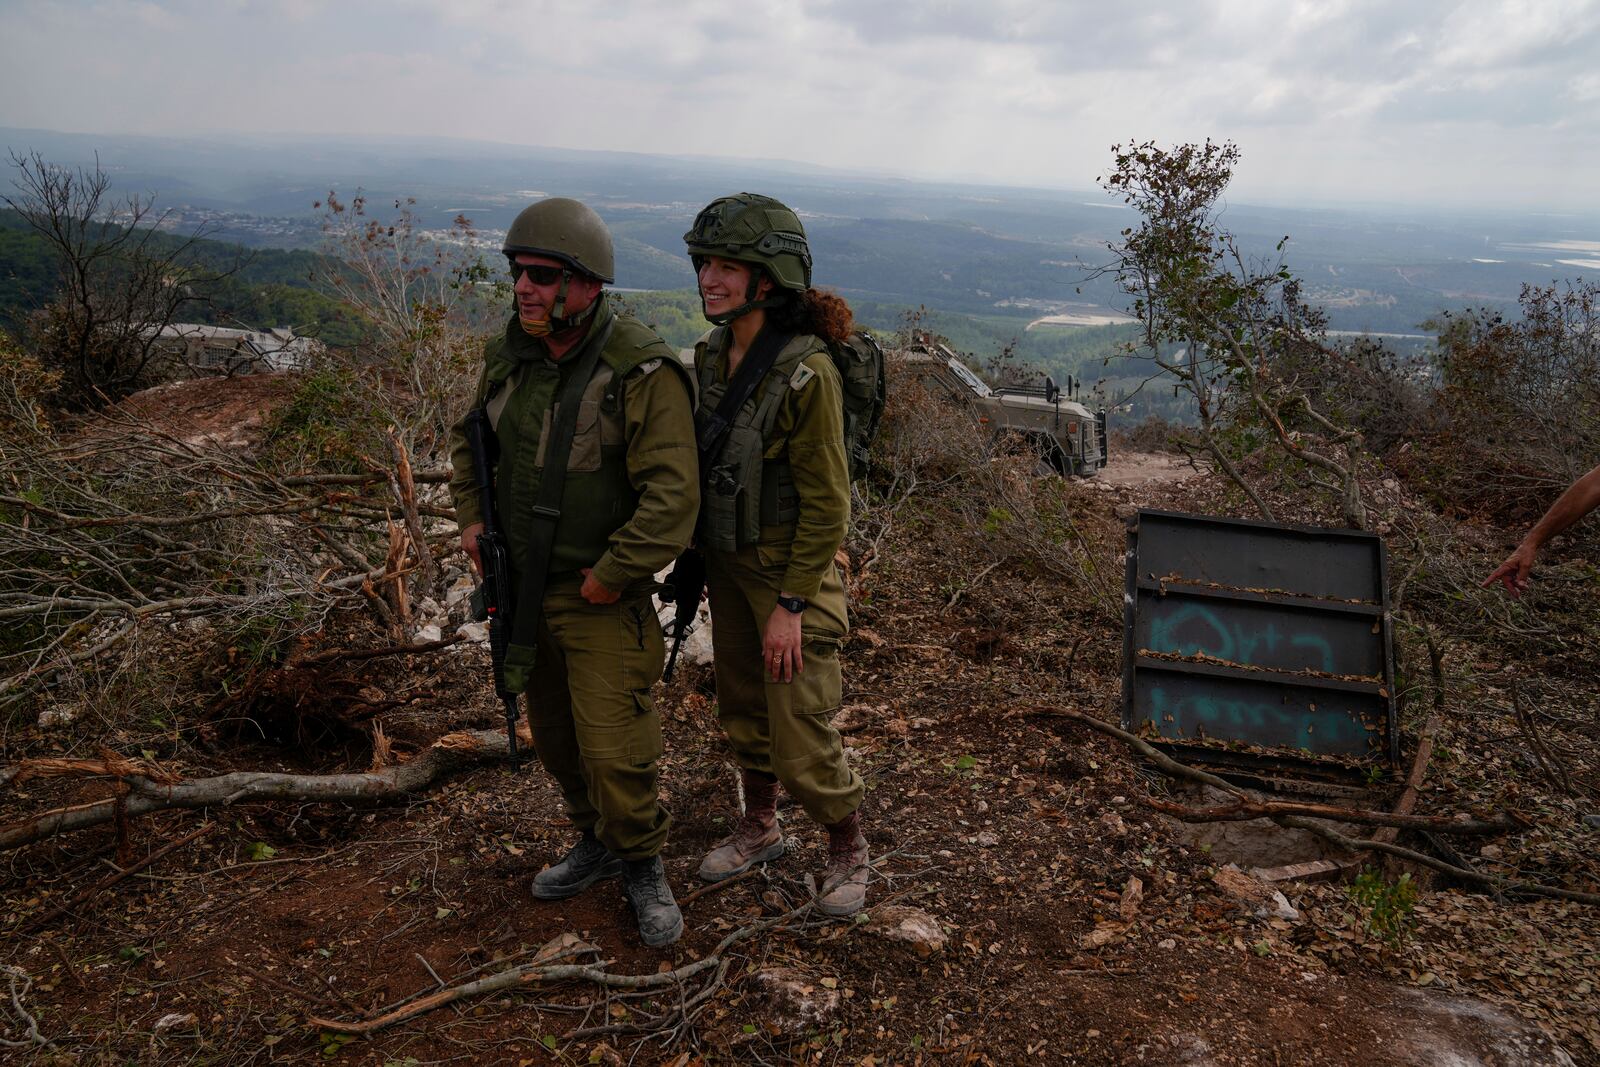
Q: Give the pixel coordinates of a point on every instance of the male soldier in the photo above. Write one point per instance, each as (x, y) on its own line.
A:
(627, 509)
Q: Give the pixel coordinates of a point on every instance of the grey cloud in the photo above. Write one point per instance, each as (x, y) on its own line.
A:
(1012, 90)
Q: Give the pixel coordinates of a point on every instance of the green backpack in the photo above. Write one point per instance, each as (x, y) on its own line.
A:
(860, 363)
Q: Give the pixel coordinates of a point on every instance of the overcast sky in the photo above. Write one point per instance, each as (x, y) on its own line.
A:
(1454, 103)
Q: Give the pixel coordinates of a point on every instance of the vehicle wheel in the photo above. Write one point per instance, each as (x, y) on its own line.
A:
(1053, 459)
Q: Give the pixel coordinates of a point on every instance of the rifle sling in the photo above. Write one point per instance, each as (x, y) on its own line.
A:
(547, 506)
(757, 362)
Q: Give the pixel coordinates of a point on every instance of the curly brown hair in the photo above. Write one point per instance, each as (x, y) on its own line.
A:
(814, 311)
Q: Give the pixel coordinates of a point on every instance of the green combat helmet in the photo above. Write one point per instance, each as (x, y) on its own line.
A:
(757, 230)
(570, 232)
(567, 230)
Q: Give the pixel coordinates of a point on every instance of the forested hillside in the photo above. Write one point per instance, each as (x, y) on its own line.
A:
(257, 288)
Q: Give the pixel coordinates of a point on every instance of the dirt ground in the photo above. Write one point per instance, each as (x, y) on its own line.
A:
(1076, 926)
(1136, 469)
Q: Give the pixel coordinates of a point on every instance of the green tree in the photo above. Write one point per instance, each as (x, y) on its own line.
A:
(1246, 340)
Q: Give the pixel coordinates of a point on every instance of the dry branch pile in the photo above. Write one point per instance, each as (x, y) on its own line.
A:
(124, 534)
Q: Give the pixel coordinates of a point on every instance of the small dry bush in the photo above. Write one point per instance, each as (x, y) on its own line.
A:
(936, 465)
(926, 437)
(1517, 415)
(1154, 434)
(1386, 396)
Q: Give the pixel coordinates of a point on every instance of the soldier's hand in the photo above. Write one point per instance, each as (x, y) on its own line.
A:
(469, 545)
(594, 592)
(780, 645)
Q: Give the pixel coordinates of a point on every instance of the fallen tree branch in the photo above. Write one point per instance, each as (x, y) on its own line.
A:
(537, 972)
(980, 576)
(1550, 765)
(431, 477)
(1412, 789)
(1245, 806)
(1312, 824)
(340, 655)
(18, 983)
(1243, 810)
(448, 755)
(1171, 767)
(1504, 885)
(110, 764)
(405, 492)
(713, 887)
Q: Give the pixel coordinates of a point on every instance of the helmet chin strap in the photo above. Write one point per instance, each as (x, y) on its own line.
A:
(750, 302)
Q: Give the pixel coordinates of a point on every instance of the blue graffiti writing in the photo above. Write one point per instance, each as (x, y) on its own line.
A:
(1318, 646)
(1191, 629)
(1192, 715)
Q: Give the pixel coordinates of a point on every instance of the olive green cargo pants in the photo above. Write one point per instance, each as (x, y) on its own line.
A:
(595, 727)
(781, 728)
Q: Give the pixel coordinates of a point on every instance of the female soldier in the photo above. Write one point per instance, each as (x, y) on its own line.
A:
(775, 505)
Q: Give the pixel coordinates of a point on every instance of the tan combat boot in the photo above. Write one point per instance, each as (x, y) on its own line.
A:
(756, 839)
(844, 880)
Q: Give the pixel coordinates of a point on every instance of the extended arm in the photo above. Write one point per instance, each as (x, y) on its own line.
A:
(1581, 497)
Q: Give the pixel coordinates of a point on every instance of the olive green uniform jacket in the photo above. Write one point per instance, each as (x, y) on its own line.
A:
(628, 508)
(784, 728)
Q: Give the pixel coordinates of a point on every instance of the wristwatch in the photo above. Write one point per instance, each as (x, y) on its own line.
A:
(792, 604)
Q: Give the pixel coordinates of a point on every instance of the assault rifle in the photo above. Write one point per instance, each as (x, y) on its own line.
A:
(683, 587)
(494, 599)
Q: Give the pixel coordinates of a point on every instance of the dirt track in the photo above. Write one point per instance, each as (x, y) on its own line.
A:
(1140, 469)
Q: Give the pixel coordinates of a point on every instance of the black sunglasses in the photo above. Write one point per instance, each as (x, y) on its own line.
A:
(538, 273)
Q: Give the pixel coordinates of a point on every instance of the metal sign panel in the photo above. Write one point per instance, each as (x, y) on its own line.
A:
(1274, 636)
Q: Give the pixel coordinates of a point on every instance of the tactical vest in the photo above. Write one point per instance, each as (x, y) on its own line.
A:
(598, 498)
(743, 491)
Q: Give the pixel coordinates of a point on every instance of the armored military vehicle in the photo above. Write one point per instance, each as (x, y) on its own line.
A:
(1054, 423)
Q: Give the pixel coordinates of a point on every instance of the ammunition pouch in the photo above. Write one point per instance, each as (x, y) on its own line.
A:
(780, 501)
(731, 498)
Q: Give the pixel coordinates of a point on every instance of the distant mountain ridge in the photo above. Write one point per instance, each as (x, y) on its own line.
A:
(963, 248)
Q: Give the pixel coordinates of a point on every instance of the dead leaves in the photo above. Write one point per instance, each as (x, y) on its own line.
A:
(1132, 897)
(1114, 931)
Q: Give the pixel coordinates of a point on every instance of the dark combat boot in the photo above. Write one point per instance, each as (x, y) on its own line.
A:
(584, 864)
(755, 839)
(844, 880)
(644, 883)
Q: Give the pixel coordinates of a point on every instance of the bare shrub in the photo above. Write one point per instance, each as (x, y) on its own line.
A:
(1053, 526)
(926, 436)
(122, 279)
(926, 443)
(1154, 434)
(428, 297)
